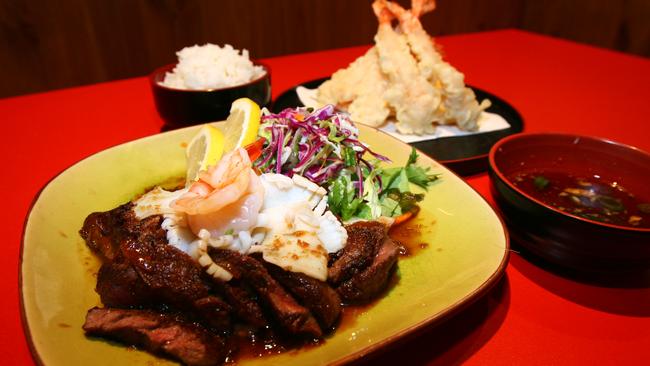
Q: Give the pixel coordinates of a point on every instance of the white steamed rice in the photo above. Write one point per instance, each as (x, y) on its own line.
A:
(211, 67)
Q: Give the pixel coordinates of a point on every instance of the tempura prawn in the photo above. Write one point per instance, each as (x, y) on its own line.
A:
(403, 77)
(359, 89)
(459, 105)
(413, 98)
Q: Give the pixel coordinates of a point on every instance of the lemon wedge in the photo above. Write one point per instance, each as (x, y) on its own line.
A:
(208, 145)
(203, 151)
(241, 126)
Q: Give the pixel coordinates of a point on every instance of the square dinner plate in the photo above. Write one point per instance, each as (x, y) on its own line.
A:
(466, 254)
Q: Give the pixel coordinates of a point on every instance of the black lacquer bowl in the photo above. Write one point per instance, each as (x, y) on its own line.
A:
(567, 239)
(181, 107)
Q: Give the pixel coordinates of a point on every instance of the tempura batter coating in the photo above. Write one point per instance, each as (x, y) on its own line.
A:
(403, 77)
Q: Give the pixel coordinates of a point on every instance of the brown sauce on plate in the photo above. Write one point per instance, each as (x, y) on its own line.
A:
(591, 198)
(250, 345)
(409, 236)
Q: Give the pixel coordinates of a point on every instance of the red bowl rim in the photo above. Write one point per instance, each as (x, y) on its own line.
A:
(503, 178)
(166, 68)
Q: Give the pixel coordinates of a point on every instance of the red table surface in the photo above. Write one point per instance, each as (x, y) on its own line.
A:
(533, 316)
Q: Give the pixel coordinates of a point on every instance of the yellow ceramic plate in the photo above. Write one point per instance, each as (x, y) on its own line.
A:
(467, 252)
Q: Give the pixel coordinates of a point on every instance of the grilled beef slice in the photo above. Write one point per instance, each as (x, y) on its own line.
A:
(364, 240)
(172, 275)
(214, 313)
(119, 285)
(141, 270)
(243, 302)
(291, 316)
(104, 231)
(316, 295)
(367, 284)
(158, 333)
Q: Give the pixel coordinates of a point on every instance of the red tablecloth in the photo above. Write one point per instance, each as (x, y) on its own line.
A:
(532, 317)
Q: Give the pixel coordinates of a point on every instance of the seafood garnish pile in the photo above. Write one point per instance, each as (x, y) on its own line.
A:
(231, 207)
(403, 77)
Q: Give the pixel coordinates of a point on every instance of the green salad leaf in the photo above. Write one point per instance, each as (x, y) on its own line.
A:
(342, 197)
(391, 199)
(323, 146)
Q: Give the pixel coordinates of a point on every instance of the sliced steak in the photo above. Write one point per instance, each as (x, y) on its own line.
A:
(244, 304)
(104, 231)
(214, 312)
(291, 316)
(141, 270)
(174, 278)
(364, 240)
(172, 275)
(118, 282)
(119, 285)
(367, 284)
(158, 333)
(316, 295)
(149, 228)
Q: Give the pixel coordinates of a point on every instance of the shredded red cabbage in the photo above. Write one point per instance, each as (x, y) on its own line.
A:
(318, 144)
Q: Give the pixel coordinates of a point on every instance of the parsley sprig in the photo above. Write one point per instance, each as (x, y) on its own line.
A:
(392, 197)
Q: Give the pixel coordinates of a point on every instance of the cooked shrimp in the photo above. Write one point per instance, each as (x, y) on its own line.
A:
(238, 216)
(403, 76)
(227, 197)
(459, 105)
(414, 99)
(221, 185)
(340, 89)
(358, 89)
(420, 42)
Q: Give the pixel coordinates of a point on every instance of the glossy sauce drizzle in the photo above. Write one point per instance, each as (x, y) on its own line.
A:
(409, 237)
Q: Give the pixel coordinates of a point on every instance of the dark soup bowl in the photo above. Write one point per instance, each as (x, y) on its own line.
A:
(580, 202)
(185, 107)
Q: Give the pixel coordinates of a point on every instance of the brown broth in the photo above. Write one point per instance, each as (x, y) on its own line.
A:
(592, 197)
